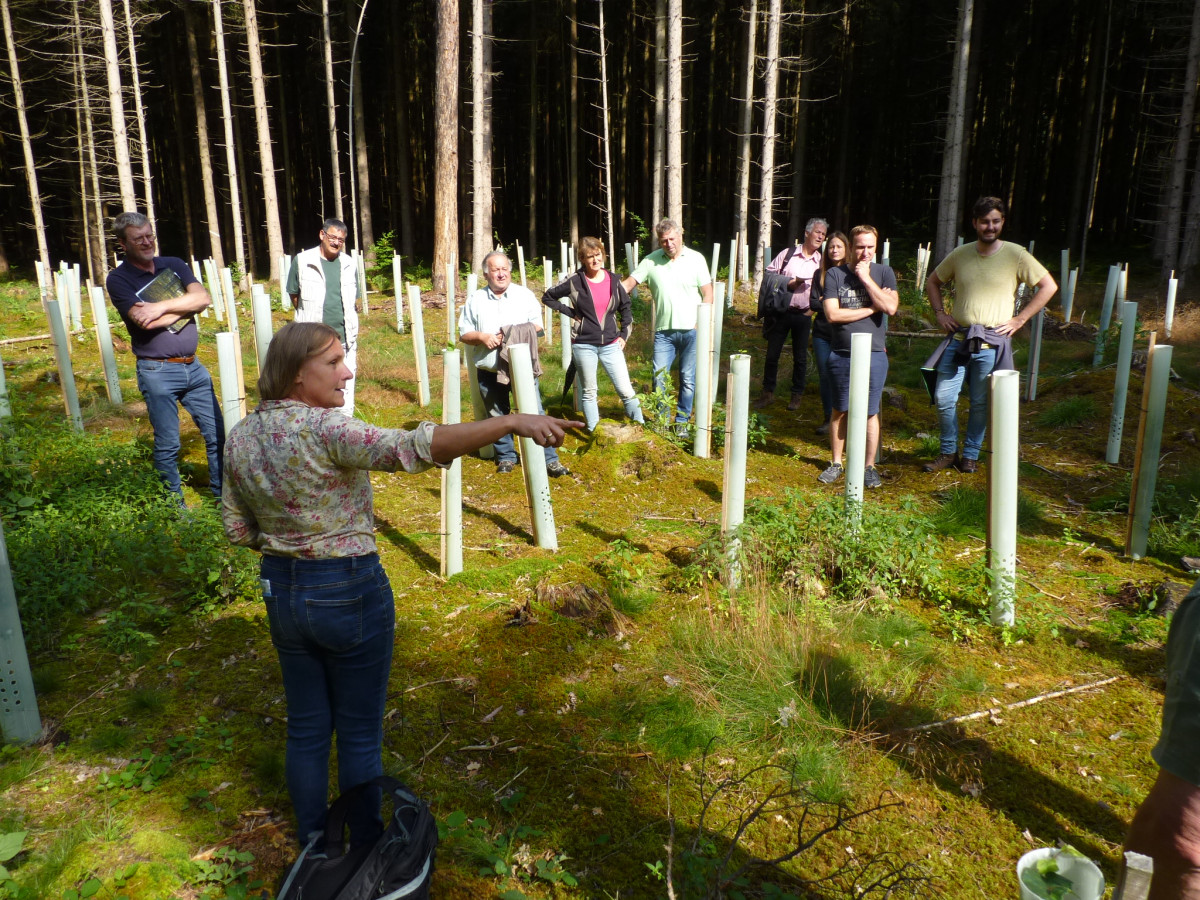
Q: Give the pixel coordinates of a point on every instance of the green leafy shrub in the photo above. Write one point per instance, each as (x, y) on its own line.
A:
(89, 528)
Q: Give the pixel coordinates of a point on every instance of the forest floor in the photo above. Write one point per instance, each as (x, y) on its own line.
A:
(593, 721)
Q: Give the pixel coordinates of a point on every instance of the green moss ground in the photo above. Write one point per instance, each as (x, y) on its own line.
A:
(585, 728)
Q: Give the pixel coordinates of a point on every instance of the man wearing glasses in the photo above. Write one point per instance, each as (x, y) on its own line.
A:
(323, 284)
(158, 298)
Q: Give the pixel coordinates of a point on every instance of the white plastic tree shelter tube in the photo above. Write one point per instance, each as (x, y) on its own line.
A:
(19, 718)
(637, 253)
(716, 258)
(730, 278)
(74, 296)
(718, 311)
(1116, 425)
(1068, 294)
(562, 252)
(1003, 430)
(235, 328)
(856, 422)
(1110, 295)
(104, 340)
(231, 400)
(533, 457)
(733, 492)
(1158, 373)
(5, 406)
(1169, 318)
(452, 543)
(66, 374)
(1035, 354)
(418, 336)
(451, 304)
(477, 406)
(213, 283)
(520, 266)
(398, 289)
(41, 278)
(264, 330)
(629, 256)
(361, 269)
(702, 397)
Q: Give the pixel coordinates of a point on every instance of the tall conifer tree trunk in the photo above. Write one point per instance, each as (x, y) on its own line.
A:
(741, 220)
(235, 201)
(608, 189)
(660, 113)
(953, 153)
(445, 161)
(211, 210)
(404, 144)
(365, 223)
(675, 110)
(140, 113)
(481, 134)
(35, 198)
(766, 206)
(573, 129)
(99, 267)
(1172, 236)
(265, 152)
(331, 109)
(116, 104)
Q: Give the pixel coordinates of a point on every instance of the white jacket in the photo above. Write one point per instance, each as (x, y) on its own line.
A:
(312, 290)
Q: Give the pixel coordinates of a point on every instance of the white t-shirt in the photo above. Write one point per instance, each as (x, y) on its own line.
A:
(486, 312)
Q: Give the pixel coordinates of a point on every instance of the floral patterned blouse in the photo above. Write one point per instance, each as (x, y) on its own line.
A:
(296, 481)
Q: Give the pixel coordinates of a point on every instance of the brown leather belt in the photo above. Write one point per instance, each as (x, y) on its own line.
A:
(186, 360)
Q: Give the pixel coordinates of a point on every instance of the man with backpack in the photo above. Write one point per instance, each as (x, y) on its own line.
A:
(801, 264)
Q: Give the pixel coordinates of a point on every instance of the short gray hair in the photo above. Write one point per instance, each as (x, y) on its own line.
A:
(332, 224)
(814, 222)
(507, 259)
(666, 226)
(128, 220)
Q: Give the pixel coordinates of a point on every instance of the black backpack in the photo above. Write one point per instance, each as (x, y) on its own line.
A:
(397, 866)
(774, 297)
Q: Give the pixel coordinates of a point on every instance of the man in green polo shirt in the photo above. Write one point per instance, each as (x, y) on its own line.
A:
(679, 279)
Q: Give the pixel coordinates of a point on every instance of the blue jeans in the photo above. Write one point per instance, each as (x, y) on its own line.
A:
(821, 350)
(497, 400)
(668, 345)
(612, 357)
(951, 371)
(332, 623)
(164, 385)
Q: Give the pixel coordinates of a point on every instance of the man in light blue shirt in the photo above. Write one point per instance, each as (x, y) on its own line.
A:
(679, 280)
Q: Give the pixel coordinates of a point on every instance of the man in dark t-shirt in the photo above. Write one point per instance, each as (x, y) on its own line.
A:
(164, 337)
(858, 295)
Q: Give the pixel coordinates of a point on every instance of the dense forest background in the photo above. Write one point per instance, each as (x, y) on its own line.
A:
(1079, 112)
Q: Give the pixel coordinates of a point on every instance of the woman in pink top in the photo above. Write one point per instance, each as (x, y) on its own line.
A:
(297, 489)
(602, 318)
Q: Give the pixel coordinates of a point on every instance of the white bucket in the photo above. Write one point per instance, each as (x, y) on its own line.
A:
(1086, 879)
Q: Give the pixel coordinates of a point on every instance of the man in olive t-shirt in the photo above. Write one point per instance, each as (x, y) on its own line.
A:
(986, 274)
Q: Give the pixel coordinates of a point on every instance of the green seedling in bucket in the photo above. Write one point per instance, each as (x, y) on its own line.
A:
(1044, 879)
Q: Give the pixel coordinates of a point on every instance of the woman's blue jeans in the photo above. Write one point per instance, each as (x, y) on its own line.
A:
(821, 350)
(332, 624)
(587, 358)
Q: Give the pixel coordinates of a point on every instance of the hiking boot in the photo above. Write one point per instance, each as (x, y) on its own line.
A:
(765, 399)
(968, 465)
(505, 466)
(794, 403)
(556, 469)
(830, 475)
(681, 431)
(1191, 563)
(945, 461)
(871, 478)
(823, 428)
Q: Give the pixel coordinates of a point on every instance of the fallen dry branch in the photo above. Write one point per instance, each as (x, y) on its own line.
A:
(954, 720)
